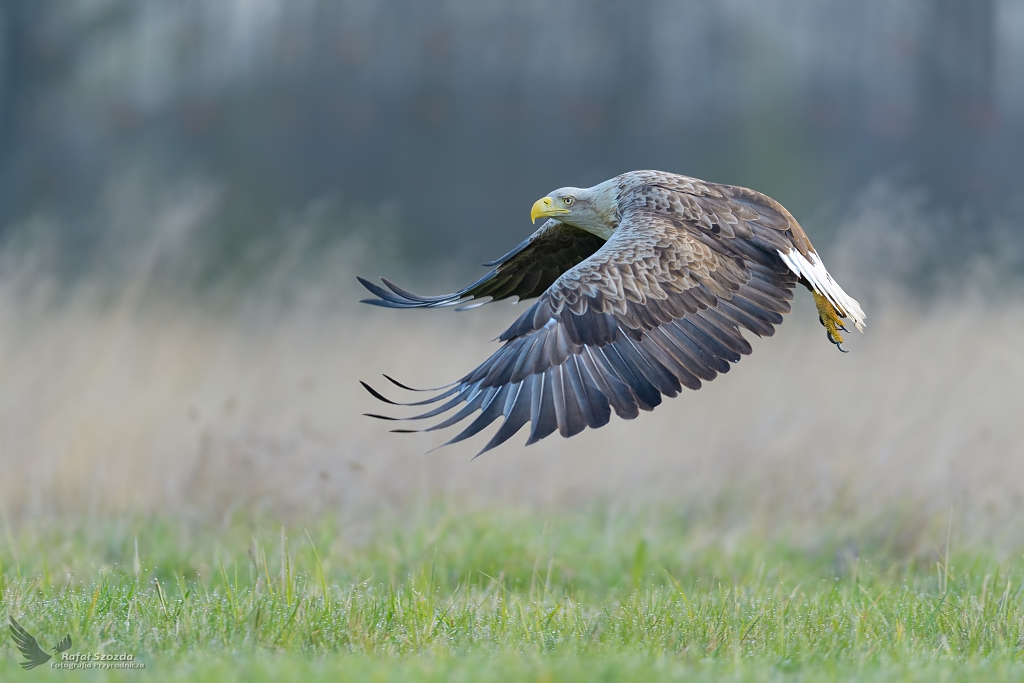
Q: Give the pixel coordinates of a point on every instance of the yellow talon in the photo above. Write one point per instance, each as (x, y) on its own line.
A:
(830, 320)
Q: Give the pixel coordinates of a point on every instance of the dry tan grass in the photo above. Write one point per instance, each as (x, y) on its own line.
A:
(142, 403)
(168, 408)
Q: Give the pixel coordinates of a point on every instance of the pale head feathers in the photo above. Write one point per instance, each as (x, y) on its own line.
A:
(592, 209)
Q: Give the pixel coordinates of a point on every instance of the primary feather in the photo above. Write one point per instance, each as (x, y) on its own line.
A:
(644, 284)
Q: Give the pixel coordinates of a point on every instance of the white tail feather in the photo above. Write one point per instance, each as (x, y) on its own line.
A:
(813, 270)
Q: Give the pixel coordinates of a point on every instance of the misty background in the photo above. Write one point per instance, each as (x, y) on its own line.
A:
(458, 114)
(188, 189)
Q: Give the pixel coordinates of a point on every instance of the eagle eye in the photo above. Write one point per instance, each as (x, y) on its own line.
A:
(568, 201)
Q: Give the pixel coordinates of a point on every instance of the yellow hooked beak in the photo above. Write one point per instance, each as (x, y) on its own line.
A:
(545, 208)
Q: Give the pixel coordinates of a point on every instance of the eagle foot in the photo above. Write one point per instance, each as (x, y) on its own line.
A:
(830, 320)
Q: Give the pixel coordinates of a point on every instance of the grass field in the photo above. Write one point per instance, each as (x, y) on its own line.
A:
(193, 483)
(494, 596)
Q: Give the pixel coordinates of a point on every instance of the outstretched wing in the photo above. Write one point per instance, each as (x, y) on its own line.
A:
(659, 307)
(524, 272)
(64, 645)
(28, 646)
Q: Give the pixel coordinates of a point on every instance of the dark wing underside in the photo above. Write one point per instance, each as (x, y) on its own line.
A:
(525, 272)
(659, 307)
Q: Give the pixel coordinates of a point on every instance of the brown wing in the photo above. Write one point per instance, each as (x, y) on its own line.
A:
(659, 307)
(524, 272)
(727, 210)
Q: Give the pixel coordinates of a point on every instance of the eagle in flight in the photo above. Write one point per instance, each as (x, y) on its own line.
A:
(643, 285)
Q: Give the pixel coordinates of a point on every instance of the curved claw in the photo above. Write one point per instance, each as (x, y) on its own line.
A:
(830, 319)
(837, 342)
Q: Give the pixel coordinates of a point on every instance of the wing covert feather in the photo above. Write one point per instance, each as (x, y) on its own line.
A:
(659, 306)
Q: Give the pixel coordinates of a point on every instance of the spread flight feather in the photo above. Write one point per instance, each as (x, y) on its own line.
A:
(643, 285)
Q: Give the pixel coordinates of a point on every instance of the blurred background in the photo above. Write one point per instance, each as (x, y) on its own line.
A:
(187, 190)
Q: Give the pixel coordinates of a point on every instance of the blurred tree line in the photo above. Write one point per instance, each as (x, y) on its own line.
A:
(464, 112)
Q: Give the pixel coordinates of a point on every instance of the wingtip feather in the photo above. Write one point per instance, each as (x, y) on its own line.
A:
(376, 394)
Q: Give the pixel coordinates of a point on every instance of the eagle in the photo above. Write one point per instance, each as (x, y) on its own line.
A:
(643, 285)
(29, 646)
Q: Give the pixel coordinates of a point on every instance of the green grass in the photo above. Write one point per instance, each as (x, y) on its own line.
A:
(495, 596)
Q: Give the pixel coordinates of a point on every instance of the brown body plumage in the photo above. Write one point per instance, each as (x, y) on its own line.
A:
(643, 283)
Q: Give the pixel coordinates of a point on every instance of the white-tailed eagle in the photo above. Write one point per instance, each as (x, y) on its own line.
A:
(643, 284)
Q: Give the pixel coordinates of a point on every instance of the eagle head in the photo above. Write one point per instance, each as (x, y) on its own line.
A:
(592, 209)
